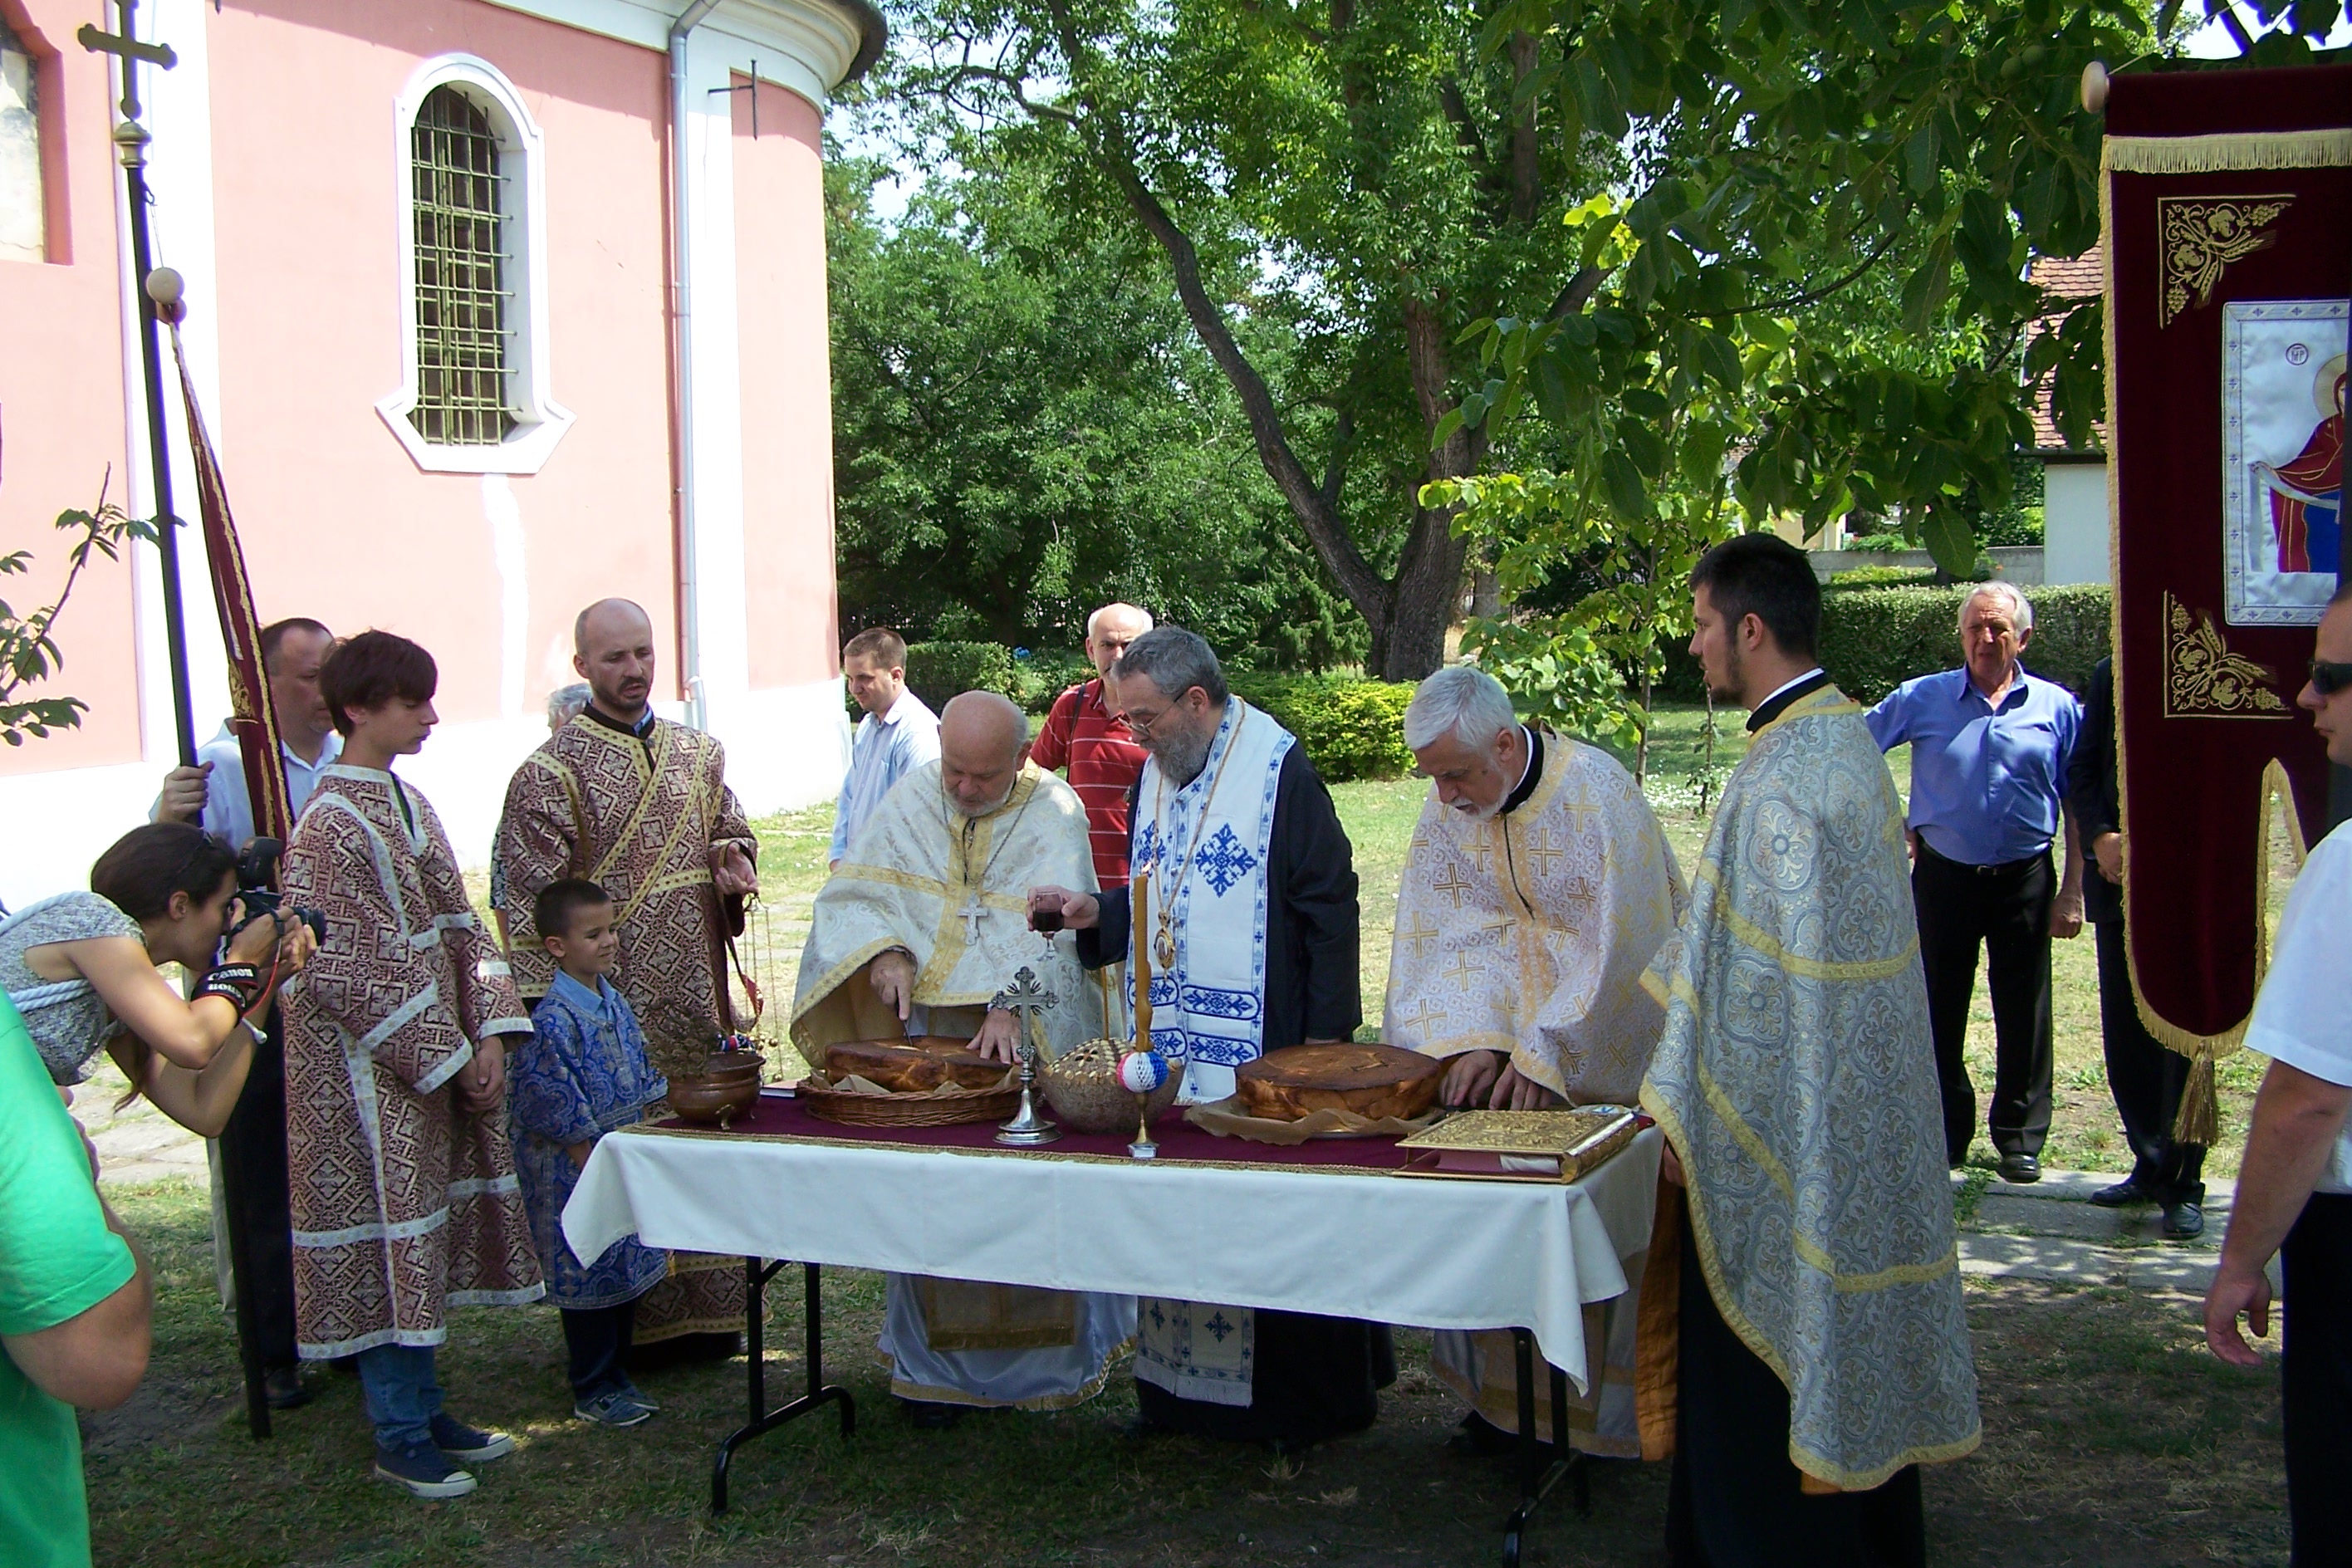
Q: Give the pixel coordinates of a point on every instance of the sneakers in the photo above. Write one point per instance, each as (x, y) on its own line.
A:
(469, 1444)
(615, 1408)
(424, 1471)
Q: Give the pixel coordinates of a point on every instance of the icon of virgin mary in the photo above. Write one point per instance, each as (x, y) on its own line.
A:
(2306, 496)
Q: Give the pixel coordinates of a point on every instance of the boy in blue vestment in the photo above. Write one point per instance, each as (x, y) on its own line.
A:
(583, 1073)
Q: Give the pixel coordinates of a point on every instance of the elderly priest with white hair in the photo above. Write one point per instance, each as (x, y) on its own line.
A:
(1252, 926)
(1536, 891)
(923, 922)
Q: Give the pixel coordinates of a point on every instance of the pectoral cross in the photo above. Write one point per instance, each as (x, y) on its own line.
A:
(127, 46)
(971, 914)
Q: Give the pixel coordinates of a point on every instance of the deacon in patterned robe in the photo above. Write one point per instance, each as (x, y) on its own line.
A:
(1803, 1347)
(640, 806)
(404, 1189)
(922, 924)
(1537, 888)
(1252, 928)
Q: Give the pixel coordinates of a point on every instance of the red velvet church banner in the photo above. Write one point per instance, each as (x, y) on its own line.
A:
(2228, 209)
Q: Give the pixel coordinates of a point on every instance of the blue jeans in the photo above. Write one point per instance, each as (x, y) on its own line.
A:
(402, 1398)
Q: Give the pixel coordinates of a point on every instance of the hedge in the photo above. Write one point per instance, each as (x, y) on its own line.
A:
(1874, 639)
(938, 671)
(1352, 728)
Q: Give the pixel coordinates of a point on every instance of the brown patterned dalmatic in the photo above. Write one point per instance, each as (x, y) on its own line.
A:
(404, 1203)
(640, 816)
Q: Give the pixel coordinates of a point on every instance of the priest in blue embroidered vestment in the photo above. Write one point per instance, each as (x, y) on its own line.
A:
(1253, 931)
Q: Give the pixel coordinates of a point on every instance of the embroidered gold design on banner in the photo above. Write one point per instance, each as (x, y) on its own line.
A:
(2200, 237)
(2203, 679)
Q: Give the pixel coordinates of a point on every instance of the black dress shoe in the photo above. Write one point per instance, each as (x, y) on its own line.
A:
(925, 1415)
(2020, 1168)
(2123, 1195)
(282, 1387)
(2183, 1220)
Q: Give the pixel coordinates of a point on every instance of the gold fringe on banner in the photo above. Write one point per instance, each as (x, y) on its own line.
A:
(2227, 151)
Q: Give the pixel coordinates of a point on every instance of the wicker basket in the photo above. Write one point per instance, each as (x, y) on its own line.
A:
(934, 1108)
(1082, 1086)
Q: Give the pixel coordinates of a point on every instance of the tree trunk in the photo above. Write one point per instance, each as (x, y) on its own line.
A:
(1429, 571)
(1526, 181)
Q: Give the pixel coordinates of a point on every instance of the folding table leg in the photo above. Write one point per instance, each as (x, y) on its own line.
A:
(756, 1275)
(1537, 1479)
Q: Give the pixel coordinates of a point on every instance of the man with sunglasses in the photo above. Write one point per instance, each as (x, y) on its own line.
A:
(2294, 1182)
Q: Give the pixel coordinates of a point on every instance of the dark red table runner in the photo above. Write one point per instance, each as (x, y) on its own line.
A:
(1180, 1142)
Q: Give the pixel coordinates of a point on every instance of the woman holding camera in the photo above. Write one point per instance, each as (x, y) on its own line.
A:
(82, 968)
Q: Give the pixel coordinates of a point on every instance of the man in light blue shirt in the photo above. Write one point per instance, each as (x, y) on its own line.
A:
(1989, 743)
(212, 794)
(899, 734)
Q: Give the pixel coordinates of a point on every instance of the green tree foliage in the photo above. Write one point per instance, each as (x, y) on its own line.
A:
(28, 651)
(1024, 429)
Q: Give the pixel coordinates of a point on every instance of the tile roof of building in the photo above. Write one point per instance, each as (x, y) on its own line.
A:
(2069, 277)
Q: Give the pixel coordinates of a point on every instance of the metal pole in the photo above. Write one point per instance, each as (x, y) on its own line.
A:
(133, 142)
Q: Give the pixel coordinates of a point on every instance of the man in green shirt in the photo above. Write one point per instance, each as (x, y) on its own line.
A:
(76, 1305)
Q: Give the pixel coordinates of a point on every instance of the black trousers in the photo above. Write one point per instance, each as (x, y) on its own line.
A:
(1734, 1501)
(2147, 1080)
(596, 1341)
(254, 1183)
(1312, 1379)
(2004, 909)
(2316, 1377)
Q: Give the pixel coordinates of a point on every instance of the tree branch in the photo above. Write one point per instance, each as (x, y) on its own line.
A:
(1527, 178)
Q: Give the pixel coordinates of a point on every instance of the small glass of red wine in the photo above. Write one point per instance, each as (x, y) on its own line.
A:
(1046, 918)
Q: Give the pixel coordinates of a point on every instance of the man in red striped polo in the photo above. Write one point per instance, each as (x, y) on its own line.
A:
(1083, 737)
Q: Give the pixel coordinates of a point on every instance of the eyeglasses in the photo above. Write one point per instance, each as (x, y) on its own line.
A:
(1140, 726)
(2327, 678)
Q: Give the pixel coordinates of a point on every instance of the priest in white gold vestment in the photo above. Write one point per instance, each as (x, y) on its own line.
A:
(1536, 891)
(923, 922)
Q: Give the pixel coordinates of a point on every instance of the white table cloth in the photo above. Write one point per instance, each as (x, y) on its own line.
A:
(1437, 1254)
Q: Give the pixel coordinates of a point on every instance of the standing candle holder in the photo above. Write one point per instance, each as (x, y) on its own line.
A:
(1139, 910)
(1025, 998)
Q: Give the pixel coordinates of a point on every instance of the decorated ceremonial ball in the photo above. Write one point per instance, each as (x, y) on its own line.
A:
(1140, 1072)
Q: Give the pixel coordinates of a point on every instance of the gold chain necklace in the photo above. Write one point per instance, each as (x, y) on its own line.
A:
(1163, 945)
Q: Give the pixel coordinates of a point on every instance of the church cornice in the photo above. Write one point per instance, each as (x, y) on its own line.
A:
(831, 42)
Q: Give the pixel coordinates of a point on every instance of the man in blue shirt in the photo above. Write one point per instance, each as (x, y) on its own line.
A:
(1990, 743)
(899, 734)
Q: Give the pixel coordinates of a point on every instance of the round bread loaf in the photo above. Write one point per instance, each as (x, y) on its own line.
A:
(915, 1065)
(1373, 1081)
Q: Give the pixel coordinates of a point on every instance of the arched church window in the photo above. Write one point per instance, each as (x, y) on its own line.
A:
(473, 394)
(462, 297)
(23, 220)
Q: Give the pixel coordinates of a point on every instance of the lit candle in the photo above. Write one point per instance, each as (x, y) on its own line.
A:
(1139, 907)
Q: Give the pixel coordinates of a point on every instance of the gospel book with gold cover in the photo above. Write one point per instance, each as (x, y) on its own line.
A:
(1522, 1145)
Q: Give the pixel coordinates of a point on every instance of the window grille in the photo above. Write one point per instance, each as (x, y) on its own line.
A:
(22, 220)
(463, 391)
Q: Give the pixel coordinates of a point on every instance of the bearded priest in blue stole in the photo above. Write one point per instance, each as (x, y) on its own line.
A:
(1253, 932)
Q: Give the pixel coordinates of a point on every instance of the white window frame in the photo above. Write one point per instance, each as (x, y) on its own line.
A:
(539, 420)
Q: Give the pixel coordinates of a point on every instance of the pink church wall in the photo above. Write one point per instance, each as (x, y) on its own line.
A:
(337, 522)
(787, 390)
(61, 397)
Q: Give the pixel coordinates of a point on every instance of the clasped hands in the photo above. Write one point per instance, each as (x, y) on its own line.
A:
(1487, 1079)
(892, 976)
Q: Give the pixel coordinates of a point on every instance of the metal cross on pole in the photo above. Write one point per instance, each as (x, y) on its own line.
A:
(1025, 998)
(131, 141)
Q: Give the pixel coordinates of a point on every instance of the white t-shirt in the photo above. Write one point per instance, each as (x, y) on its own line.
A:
(2303, 1015)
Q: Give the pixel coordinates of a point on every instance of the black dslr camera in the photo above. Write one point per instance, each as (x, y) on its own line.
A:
(256, 884)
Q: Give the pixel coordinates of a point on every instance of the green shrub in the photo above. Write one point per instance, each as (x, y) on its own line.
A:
(1874, 640)
(1879, 577)
(938, 671)
(1039, 678)
(1352, 728)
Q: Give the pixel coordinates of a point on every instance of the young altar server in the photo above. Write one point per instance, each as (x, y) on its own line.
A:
(405, 1198)
(1537, 888)
(583, 1073)
(1253, 927)
(922, 924)
(1803, 1347)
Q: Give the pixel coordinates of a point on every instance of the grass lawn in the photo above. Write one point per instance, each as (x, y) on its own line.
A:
(2111, 1437)
(2111, 1434)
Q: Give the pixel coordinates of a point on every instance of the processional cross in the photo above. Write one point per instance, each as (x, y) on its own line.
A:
(127, 44)
(1025, 999)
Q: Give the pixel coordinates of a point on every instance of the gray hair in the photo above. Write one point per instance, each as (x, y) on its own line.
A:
(1463, 701)
(2021, 608)
(565, 702)
(1174, 660)
(1137, 611)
